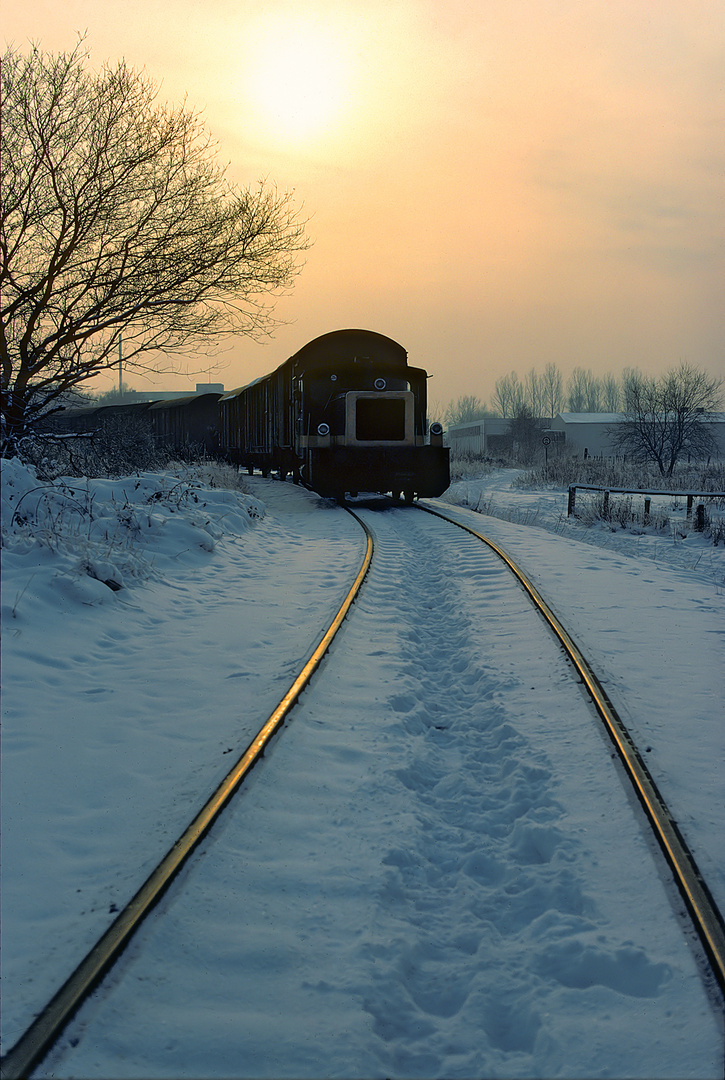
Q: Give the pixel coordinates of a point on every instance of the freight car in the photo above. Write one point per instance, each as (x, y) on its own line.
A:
(345, 414)
(188, 421)
(174, 423)
(88, 419)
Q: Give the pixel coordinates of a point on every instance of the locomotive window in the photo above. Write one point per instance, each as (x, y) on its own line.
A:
(380, 420)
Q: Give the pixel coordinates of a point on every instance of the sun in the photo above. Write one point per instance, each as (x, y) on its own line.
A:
(300, 80)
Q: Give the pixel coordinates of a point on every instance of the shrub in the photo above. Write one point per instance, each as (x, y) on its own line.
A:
(119, 447)
(466, 466)
(622, 473)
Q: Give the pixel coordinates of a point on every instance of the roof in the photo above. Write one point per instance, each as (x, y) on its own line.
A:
(327, 348)
(350, 338)
(616, 418)
(591, 417)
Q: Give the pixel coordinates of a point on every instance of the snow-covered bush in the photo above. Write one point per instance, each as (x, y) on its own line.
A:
(464, 466)
(618, 472)
(619, 511)
(119, 530)
(119, 446)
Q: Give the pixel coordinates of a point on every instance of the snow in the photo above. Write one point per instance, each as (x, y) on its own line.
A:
(411, 884)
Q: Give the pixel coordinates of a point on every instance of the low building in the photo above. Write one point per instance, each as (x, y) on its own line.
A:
(589, 434)
(716, 423)
(576, 434)
(489, 437)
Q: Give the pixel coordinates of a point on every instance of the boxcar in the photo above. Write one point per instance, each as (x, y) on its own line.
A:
(188, 421)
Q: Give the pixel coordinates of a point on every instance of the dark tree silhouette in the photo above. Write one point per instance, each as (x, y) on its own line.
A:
(526, 431)
(115, 220)
(666, 418)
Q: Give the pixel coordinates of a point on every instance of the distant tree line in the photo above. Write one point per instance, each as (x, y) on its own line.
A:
(662, 418)
(546, 394)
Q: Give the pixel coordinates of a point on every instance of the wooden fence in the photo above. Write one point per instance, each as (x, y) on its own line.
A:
(690, 496)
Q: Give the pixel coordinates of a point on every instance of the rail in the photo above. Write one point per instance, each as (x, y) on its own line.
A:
(700, 903)
(35, 1042)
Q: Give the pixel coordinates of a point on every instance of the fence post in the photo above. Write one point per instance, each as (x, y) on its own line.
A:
(689, 505)
(647, 505)
(605, 510)
(572, 500)
(700, 520)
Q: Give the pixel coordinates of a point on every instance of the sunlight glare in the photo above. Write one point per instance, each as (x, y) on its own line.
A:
(300, 80)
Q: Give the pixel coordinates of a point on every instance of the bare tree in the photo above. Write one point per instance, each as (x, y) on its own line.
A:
(583, 391)
(611, 394)
(551, 391)
(593, 393)
(631, 379)
(117, 220)
(534, 393)
(508, 397)
(525, 430)
(575, 391)
(468, 407)
(666, 418)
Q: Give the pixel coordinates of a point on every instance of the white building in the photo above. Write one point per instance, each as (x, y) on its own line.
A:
(587, 434)
(488, 437)
(580, 434)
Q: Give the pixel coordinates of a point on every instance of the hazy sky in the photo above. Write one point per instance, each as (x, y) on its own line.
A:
(496, 184)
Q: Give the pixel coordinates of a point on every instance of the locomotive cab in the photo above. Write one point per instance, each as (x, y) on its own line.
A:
(346, 408)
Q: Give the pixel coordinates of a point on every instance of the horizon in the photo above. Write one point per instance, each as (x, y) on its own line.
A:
(496, 187)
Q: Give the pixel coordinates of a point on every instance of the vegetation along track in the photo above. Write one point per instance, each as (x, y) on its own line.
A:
(705, 915)
(51, 1021)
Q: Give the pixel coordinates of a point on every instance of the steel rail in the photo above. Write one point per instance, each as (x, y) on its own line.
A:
(700, 903)
(47, 1027)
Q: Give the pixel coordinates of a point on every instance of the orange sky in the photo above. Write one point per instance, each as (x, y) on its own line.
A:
(494, 183)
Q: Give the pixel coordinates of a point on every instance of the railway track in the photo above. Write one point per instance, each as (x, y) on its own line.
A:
(52, 1020)
(706, 917)
(31, 1048)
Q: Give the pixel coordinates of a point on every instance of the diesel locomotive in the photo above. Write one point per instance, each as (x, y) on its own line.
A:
(345, 414)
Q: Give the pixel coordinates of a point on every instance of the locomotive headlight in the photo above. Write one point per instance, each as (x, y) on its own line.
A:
(436, 434)
(323, 429)
(380, 384)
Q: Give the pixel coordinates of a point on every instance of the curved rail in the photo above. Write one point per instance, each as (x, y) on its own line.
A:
(700, 903)
(50, 1022)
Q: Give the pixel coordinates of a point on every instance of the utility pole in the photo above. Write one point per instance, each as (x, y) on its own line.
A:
(120, 365)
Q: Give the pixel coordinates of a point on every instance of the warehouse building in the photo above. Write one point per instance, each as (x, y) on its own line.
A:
(580, 434)
(589, 434)
(489, 437)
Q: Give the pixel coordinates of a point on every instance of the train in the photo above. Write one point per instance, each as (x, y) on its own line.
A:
(344, 415)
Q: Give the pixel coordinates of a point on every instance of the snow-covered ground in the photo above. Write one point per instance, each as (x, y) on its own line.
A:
(670, 540)
(412, 886)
